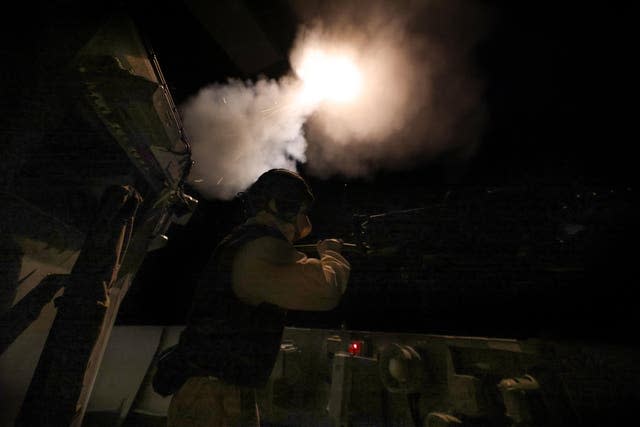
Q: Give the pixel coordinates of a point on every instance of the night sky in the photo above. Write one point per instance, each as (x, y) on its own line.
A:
(558, 134)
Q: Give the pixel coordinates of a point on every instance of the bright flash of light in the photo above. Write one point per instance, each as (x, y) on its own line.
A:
(329, 77)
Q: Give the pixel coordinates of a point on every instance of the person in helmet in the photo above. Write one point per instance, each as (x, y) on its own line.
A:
(255, 275)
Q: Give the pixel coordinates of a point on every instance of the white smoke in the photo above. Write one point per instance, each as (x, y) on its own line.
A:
(418, 99)
(240, 130)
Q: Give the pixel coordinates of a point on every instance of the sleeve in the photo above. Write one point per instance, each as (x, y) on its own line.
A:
(271, 270)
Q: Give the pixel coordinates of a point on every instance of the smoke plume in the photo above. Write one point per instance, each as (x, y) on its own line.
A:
(419, 97)
(240, 130)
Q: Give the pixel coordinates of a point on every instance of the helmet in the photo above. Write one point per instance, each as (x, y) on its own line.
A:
(289, 190)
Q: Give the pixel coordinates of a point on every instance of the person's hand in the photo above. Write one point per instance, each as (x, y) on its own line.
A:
(329, 245)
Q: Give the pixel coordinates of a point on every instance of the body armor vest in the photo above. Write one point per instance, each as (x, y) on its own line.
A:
(225, 337)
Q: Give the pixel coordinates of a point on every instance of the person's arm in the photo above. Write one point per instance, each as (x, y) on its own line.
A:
(271, 270)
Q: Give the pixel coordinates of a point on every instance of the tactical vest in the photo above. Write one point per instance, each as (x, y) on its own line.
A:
(225, 337)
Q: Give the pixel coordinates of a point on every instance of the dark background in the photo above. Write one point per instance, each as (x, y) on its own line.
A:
(492, 253)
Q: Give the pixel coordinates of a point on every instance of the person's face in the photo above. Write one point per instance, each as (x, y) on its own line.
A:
(295, 228)
(302, 224)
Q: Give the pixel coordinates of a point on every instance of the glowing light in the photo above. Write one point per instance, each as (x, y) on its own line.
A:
(354, 348)
(329, 77)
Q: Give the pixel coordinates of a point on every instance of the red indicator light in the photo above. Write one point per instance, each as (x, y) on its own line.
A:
(354, 348)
